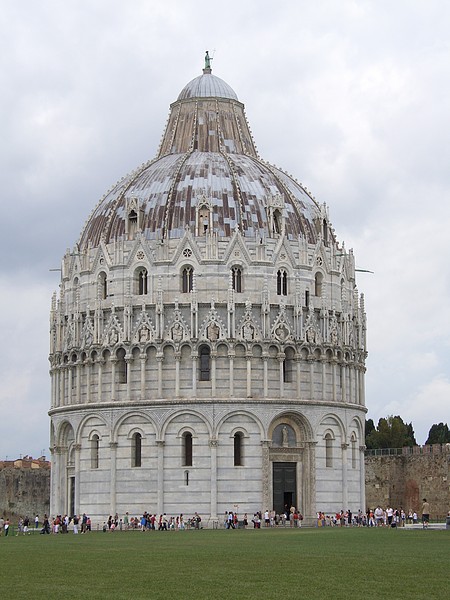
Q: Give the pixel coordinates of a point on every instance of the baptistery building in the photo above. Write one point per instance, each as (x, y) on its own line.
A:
(208, 343)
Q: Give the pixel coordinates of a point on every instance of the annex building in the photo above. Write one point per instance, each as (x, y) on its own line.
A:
(208, 344)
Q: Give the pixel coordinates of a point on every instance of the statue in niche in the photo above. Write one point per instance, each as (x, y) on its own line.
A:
(113, 337)
(88, 338)
(144, 334)
(333, 336)
(248, 331)
(281, 333)
(311, 335)
(284, 437)
(213, 332)
(177, 333)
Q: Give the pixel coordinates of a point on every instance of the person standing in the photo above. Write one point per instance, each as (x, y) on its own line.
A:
(425, 513)
(36, 522)
(6, 527)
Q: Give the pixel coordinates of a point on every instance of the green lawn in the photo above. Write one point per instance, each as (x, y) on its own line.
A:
(330, 563)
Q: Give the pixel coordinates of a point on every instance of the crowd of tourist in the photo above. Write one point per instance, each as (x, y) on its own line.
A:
(377, 517)
(291, 517)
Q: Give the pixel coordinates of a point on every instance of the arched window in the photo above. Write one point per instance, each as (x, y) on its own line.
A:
(121, 367)
(238, 437)
(236, 273)
(187, 279)
(103, 285)
(318, 284)
(186, 478)
(142, 284)
(203, 220)
(325, 232)
(328, 450)
(132, 224)
(95, 446)
(353, 445)
(288, 366)
(307, 298)
(282, 282)
(205, 363)
(277, 222)
(187, 449)
(136, 450)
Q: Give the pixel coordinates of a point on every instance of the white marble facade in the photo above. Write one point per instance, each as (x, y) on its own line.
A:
(208, 344)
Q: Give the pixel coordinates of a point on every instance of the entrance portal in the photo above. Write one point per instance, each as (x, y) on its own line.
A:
(284, 486)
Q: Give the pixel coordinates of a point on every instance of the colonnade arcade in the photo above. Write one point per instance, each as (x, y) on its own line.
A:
(206, 369)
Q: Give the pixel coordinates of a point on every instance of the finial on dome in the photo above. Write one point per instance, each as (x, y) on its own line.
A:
(208, 59)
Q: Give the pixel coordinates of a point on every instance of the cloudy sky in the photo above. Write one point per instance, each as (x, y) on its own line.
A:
(351, 97)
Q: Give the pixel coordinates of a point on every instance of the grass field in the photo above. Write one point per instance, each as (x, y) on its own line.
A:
(330, 563)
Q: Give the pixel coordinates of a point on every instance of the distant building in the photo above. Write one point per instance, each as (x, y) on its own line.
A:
(208, 345)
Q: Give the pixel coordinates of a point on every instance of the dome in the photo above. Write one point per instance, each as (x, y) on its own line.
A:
(207, 86)
(207, 153)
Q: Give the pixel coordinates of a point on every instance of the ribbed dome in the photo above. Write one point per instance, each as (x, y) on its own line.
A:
(239, 189)
(207, 154)
(207, 86)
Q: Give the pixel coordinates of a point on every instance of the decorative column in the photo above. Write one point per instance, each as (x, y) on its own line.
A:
(128, 362)
(344, 383)
(333, 369)
(213, 372)
(350, 383)
(77, 448)
(281, 357)
(362, 399)
(177, 357)
(160, 501)
(311, 378)
(52, 388)
(231, 356)
(324, 377)
(88, 379)
(112, 487)
(344, 477)
(159, 360)
(248, 357)
(265, 358)
(113, 362)
(78, 379)
(299, 372)
(213, 442)
(101, 362)
(143, 358)
(362, 477)
(357, 384)
(69, 386)
(309, 480)
(54, 479)
(61, 387)
(267, 500)
(194, 373)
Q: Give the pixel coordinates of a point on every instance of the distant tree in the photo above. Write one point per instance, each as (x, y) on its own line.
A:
(391, 432)
(438, 434)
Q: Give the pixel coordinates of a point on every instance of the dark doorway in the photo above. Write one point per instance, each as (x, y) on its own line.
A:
(284, 486)
(72, 496)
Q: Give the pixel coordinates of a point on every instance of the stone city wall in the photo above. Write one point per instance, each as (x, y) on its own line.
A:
(403, 477)
(25, 487)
